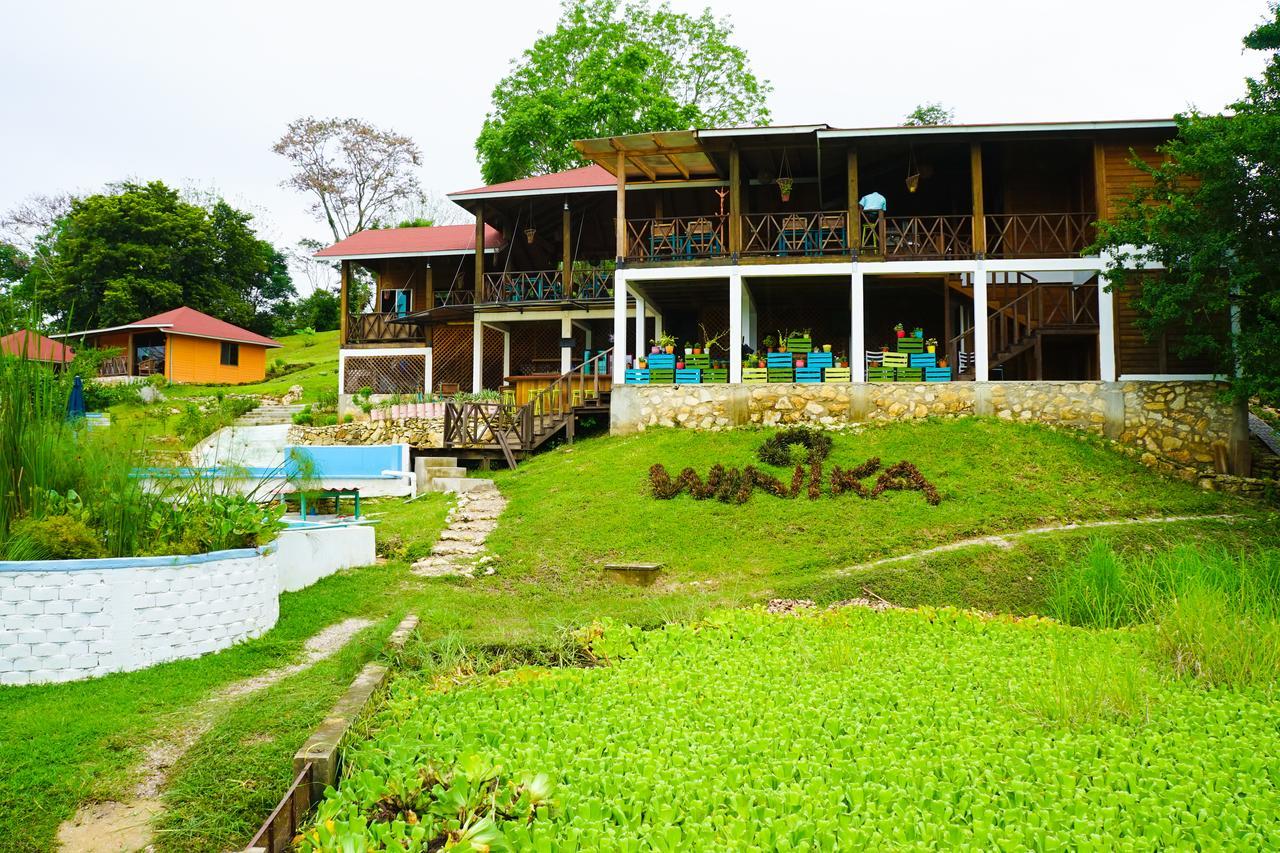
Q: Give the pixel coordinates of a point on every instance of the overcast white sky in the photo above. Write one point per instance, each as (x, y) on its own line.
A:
(196, 93)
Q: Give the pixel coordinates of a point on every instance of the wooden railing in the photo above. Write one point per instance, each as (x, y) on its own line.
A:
(1036, 307)
(511, 427)
(677, 238)
(116, 365)
(380, 327)
(455, 296)
(917, 237)
(1039, 235)
(788, 234)
(592, 284)
(532, 286)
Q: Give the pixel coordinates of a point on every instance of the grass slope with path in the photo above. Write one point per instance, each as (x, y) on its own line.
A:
(571, 510)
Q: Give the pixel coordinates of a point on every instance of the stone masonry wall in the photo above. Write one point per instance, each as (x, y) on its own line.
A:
(416, 432)
(1183, 424)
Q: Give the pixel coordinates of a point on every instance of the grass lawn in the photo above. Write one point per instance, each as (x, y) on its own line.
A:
(571, 510)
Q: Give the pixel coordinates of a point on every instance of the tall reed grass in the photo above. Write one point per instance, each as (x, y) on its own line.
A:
(1216, 612)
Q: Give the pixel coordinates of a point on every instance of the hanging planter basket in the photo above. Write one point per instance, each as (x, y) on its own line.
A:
(529, 234)
(785, 186)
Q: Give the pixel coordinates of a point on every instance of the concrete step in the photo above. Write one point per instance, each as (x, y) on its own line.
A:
(439, 472)
(437, 461)
(458, 485)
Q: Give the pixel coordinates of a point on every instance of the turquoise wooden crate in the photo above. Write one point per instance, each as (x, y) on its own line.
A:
(820, 359)
(754, 375)
(662, 361)
(910, 374)
(688, 376)
(661, 376)
(703, 361)
(799, 344)
(880, 374)
(910, 345)
(779, 360)
(809, 375)
(923, 359)
(637, 377)
(837, 374)
(715, 376)
(937, 374)
(780, 375)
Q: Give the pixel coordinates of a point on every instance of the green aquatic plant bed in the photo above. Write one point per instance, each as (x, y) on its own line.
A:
(844, 730)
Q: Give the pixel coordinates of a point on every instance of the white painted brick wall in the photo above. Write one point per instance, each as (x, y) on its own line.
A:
(66, 625)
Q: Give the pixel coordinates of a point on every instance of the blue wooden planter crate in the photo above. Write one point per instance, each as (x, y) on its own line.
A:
(662, 361)
(754, 375)
(923, 359)
(937, 374)
(637, 377)
(715, 376)
(703, 361)
(781, 375)
(910, 345)
(910, 374)
(810, 375)
(799, 344)
(779, 360)
(880, 374)
(837, 374)
(661, 376)
(820, 359)
(688, 376)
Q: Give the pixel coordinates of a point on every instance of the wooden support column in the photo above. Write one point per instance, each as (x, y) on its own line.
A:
(854, 213)
(1100, 181)
(479, 288)
(621, 224)
(735, 204)
(424, 329)
(979, 215)
(345, 266)
(566, 252)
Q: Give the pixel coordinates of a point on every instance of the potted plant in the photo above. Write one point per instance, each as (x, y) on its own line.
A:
(782, 340)
(654, 349)
(900, 331)
(785, 186)
(931, 345)
(710, 339)
(769, 343)
(760, 362)
(696, 349)
(642, 362)
(917, 332)
(680, 363)
(667, 342)
(826, 347)
(800, 362)
(884, 349)
(842, 360)
(942, 362)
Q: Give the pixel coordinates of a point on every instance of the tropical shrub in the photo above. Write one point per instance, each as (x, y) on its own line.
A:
(55, 537)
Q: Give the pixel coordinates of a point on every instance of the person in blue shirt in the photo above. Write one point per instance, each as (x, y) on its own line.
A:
(872, 202)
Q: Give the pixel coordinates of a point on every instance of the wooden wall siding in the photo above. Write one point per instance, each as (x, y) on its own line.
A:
(402, 273)
(1136, 355)
(199, 360)
(1120, 175)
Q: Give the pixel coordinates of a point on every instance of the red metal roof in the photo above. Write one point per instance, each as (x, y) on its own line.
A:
(188, 321)
(583, 177)
(36, 347)
(434, 240)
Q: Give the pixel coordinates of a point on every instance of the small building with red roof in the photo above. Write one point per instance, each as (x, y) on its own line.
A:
(36, 347)
(183, 345)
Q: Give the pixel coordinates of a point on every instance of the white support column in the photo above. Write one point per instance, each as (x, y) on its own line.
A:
(566, 352)
(657, 324)
(427, 379)
(619, 327)
(506, 352)
(1106, 330)
(735, 328)
(981, 344)
(477, 355)
(750, 319)
(857, 326)
(640, 306)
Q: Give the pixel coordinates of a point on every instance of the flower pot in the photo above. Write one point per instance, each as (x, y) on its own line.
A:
(786, 197)
(782, 347)
(642, 363)
(930, 348)
(900, 332)
(918, 333)
(670, 348)
(844, 363)
(942, 362)
(697, 350)
(799, 362)
(655, 350)
(826, 347)
(679, 365)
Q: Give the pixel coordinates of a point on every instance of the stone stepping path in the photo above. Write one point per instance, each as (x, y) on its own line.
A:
(460, 550)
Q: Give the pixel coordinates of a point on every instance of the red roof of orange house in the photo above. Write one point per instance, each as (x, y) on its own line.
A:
(36, 347)
(189, 322)
(412, 242)
(581, 178)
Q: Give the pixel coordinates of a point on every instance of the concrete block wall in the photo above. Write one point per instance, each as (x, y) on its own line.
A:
(63, 620)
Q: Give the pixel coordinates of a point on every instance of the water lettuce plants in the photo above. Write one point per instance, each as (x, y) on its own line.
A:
(842, 730)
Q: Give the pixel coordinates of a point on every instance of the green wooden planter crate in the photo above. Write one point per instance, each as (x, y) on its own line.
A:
(779, 374)
(715, 376)
(797, 344)
(910, 345)
(659, 377)
(702, 361)
(910, 374)
(877, 374)
(755, 375)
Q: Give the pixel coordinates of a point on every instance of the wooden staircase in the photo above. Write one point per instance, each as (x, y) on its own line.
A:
(514, 432)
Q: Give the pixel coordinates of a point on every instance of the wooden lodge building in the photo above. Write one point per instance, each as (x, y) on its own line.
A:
(981, 243)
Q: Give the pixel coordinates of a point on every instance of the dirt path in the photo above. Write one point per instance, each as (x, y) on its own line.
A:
(125, 827)
(1007, 540)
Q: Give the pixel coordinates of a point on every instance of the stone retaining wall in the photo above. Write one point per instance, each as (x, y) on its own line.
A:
(415, 432)
(1183, 422)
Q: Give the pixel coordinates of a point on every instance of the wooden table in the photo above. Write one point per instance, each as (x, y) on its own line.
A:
(525, 386)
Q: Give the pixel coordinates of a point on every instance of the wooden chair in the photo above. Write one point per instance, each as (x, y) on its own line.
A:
(793, 234)
(700, 237)
(449, 389)
(833, 235)
(875, 357)
(662, 239)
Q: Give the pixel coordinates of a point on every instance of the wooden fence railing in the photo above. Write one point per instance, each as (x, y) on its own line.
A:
(380, 327)
(530, 286)
(1039, 235)
(813, 234)
(677, 238)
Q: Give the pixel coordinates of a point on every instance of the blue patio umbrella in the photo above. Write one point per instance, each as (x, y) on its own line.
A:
(75, 403)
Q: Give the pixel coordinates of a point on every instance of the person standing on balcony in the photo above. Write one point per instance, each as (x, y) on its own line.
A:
(873, 207)
(873, 202)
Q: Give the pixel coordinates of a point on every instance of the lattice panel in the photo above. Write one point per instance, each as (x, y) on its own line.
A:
(451, 356)
(491, 377)
(384, 374)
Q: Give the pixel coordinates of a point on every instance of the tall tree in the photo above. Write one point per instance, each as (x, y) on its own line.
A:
(355, 173)
(929, 113)
(612, 68)
(140, 249)
(1211, 217)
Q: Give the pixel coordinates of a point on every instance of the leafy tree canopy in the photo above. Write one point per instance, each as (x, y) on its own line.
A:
(930, 113)
(1212, 218)
(612, 68)
(140, 249)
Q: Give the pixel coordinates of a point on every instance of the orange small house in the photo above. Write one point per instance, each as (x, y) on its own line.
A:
(183, 345)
